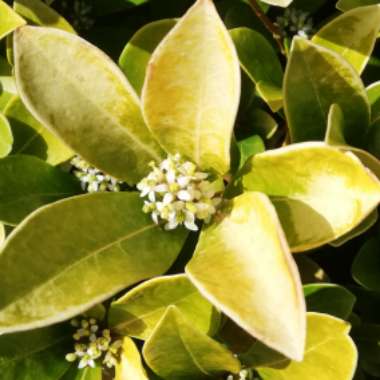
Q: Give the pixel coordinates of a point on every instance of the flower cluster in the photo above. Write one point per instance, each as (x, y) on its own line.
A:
(295, 21)
(93, 344)
(177, 193)
(92, 179)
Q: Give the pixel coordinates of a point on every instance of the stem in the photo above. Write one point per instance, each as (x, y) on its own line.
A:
(269, 25)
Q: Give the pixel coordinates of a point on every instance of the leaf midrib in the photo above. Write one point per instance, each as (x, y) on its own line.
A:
(61, 271)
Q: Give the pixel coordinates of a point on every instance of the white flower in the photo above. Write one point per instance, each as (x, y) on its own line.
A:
(93, 344)
(93, 180)
(177, 194)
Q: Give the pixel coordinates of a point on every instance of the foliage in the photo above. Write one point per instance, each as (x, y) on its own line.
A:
(194, 184)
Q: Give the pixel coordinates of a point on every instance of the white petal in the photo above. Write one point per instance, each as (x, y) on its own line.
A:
(162, 188)
(152, 196)
(184, 195)
(183, 181)
(168, 198)
(171, 176)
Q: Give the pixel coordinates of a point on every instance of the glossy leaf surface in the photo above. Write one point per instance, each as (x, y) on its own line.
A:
(10, 20)
(194, 114)
(137, 313)
(176, 350)
(91, 107)
(73, 254)
(319, 192)
(352, 35)
(330, 353)
(248, 239)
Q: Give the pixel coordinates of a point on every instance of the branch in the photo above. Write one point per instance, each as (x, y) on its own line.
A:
(272, 28)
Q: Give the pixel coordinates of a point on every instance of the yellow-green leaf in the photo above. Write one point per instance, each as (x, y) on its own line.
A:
(137, 313)
(2, 234)
(10, 20)
(6, 137)
(75, 253)
(260, 61)
(242, 264)
(373, 92)
(352, 35)
(31, 137)
(136, 55)
(130, 366)
(320, 192)
(316, 78)
(39, 13)
(330, 353)
(89, 104)
(176, 351)
(192, 89)
(345, 5)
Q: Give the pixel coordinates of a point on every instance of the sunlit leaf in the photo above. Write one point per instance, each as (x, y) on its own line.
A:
(176, 350)
(373, 92)
(39, 13)
(247, 239)
(137, 313)
(130, 366)
(73, 254)
(346, 5)
(6, 137)
(319, 192)
(330, 353)
(352, 35)
(10, 20)
(91, 107)
(194, 114)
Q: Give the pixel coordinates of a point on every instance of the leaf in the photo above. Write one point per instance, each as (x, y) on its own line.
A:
(373, 92)
(2, 234)
(278, 3)
(336, 125)
(138, 312)
(10, 20)
(75, 253)
(136, 54)
(316, 78)
(330, 353)
(319, 192)
(176, 350)
(194, 114)
(352, 35)
(31, 137)
(346, 5)
(28, 183)
(329, 299)
(86, 373)
(364, 226)
(260, 61)
(37, 354)
(366, 266)
(249, 146)
(130, 365)
(6, 137)
(39, 13)
(91, 107)
(248, 240)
